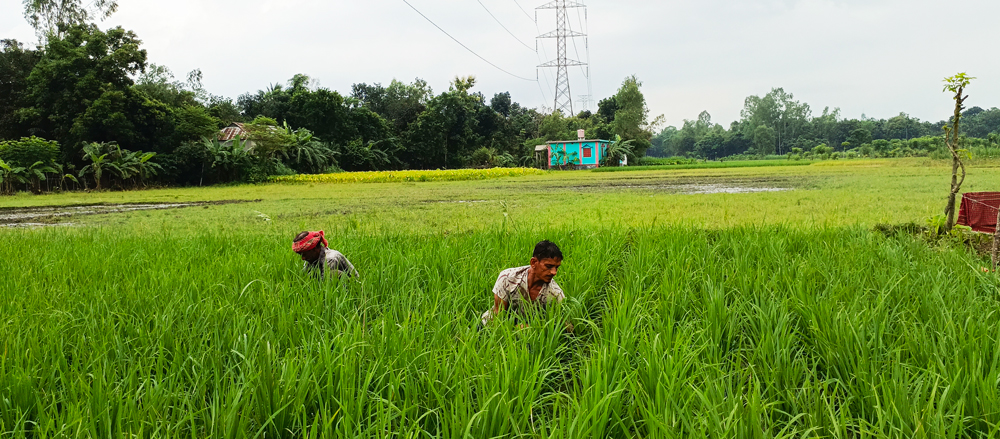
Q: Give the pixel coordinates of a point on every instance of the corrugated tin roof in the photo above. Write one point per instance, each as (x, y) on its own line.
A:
(541, 147)
(230, 132)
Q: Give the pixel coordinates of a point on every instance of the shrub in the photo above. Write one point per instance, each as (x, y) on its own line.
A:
(483, 157)
(29, 150)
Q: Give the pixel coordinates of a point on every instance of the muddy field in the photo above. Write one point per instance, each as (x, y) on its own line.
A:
(65, 215)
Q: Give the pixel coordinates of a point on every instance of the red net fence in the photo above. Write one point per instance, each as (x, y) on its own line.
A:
(979, 211)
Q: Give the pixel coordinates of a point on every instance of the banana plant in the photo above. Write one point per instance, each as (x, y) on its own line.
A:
(36, 174)
(98, 162)
(146, 167)
(60, 170)
(8, 176)
(125, 164)
(227, 159)
(617, 151)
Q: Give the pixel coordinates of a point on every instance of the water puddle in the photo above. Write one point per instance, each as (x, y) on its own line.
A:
(701, 189)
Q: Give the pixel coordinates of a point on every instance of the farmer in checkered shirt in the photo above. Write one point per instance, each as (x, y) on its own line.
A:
(531, 288)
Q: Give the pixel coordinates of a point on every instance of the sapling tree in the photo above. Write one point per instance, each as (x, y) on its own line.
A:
(955, 84)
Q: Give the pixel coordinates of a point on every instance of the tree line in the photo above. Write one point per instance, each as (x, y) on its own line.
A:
(86, 94)
(777, 124)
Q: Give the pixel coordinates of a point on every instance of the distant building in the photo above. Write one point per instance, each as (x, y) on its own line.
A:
(228, 134)
(581, 152)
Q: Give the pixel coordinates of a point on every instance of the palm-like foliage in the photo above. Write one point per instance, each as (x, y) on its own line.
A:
(617, 151)
(564, 159)
(227, 159)
(125, 164)
(8, 176)
(146, 167)
(374, 155)
(307, 154)
(60, 171)
(94, 153)
(36, 174)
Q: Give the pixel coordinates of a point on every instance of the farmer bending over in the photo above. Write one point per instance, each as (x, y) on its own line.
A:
(319, 259)
(527, 289)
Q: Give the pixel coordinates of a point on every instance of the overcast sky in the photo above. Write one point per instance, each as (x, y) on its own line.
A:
(877, 57)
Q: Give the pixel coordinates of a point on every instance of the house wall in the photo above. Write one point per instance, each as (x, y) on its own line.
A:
(597, 150)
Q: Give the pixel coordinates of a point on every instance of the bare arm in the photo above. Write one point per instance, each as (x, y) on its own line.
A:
(498, 305)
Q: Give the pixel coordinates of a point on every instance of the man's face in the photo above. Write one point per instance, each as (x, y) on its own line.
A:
(311, 255)
(546, 269)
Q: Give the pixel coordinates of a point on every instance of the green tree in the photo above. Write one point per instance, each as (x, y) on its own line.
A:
(661, 142)
(764, 140)
(711, 146)
(130, 119)
(858, 138)
(399, 103)
(267, 138)
(444, 135)
(631, 117)
(780, 111)
(85, 68)
(52, 17)
(16, 64)
(29, 150)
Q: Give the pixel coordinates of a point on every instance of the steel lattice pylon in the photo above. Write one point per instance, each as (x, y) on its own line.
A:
(562, 63)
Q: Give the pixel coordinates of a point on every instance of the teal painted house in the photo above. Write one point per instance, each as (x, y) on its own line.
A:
(583, 153)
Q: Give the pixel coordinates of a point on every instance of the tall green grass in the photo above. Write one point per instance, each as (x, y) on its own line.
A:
(679, 333)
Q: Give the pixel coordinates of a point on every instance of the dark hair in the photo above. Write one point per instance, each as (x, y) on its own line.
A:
(547, 250)
(300, 236)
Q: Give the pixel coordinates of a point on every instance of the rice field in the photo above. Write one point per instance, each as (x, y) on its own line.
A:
(199, 322)
(403, 176)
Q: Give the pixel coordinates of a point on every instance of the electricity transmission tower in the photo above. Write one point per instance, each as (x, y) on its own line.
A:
(562, 63)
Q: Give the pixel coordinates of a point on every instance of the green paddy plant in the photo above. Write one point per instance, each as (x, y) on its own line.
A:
(749, 331)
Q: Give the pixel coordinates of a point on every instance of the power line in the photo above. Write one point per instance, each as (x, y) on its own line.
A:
(575, 49)
(585, 25)
(464, 46)
(526, 14)
(504, 27)
(545, 73)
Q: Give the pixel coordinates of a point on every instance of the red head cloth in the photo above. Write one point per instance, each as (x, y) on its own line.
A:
(309, 242)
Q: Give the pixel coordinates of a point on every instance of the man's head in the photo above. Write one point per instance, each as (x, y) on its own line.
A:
(545, 261)
(309, 245)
